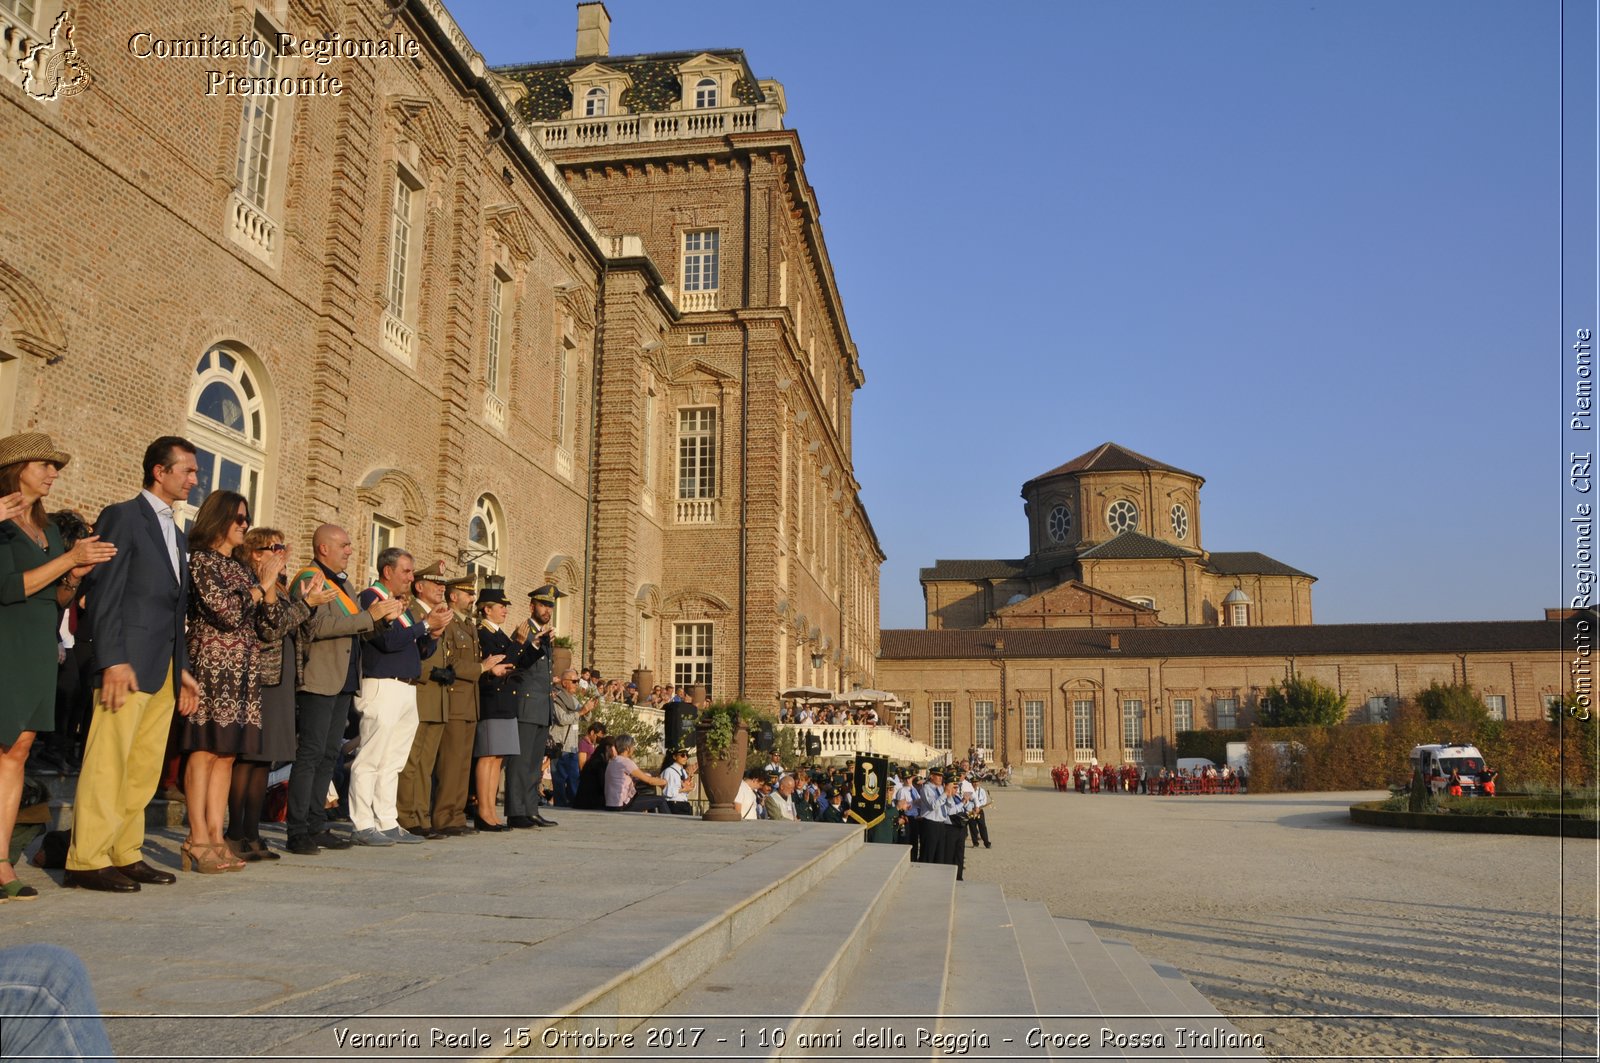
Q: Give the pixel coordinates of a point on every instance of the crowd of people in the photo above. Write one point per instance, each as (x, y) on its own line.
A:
(1128, 779)
(138, 646)
(836, 714)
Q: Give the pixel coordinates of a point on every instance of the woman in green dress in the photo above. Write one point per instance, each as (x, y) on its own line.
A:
(37, 578)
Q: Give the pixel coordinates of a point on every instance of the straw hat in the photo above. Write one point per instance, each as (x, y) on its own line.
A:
(31, 446)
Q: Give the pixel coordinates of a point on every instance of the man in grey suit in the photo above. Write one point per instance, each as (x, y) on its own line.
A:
(531, 687)
(135, 612)
(329, 678)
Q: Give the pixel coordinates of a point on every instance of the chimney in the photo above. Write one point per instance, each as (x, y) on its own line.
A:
(1116, 641)
(594, 30)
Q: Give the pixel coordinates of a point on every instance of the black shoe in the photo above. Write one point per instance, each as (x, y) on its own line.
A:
(491, 828)
(139, 871)
(544, 822)
(986, 845)
(521, 822)
(329, 840)
(302, 845)
(103, 879)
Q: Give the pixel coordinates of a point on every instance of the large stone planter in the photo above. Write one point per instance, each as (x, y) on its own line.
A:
(721, 776)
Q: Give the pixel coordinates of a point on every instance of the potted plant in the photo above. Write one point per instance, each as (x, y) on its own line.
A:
(560, 655)
(722, 741)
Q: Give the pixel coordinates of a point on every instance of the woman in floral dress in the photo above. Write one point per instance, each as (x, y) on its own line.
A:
(230, 606)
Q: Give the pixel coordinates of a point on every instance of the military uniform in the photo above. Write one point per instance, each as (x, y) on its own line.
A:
(433, 787)
(530, 689)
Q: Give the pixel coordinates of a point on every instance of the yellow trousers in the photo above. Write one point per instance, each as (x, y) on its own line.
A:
(121, 770)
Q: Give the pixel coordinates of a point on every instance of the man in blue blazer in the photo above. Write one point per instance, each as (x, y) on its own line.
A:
(135, 613)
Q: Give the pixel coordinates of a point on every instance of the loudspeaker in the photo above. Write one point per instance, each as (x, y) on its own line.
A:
(680, 724)
(813, 745)
(766, 738)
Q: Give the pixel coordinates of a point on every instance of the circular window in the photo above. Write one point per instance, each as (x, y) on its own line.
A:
(1122, 516)
(1180, 521)
(1059, 524)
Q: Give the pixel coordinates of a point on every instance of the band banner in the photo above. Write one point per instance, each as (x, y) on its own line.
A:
(871, 786)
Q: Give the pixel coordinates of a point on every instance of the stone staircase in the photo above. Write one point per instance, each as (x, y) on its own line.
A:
(634, 937)
(880, 958)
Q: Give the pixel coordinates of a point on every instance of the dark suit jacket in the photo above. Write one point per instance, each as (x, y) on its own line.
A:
(497, 695)
(136, 606)
(530, 683)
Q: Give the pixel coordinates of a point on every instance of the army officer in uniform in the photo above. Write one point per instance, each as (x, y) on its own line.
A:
(531, 688)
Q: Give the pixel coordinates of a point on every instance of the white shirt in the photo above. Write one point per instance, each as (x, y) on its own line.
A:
(169, 527)
(676, 775)
(745, 801)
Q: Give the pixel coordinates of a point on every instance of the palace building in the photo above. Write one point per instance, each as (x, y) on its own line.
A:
(570, 322)
(1119, 629)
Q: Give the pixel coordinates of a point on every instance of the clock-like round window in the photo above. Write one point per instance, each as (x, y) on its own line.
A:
(1059, 524)
(1122, 516)
(1180, 521)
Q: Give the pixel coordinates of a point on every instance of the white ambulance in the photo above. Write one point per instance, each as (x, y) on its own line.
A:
(1437, 761)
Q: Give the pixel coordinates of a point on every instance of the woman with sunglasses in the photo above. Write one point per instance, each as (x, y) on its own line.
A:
(278, 665)
(227, 605)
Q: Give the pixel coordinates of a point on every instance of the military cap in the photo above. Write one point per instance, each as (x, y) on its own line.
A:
(493, 596)
(434, 573)
(546, 594)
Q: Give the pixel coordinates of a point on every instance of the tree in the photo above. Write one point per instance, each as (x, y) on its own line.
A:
(1454, 703)
(1301, 703)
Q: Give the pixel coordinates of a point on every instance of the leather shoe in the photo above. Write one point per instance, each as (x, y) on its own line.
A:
(139, 871)
(104, 879)
(455, 832)
(544, 822)
(491, 828)
(330, 840)
(302, 845)
(521, 822)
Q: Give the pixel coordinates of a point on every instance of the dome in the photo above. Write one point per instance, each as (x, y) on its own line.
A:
(1237, 596)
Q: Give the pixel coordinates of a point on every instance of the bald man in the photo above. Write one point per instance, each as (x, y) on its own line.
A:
(330, 675)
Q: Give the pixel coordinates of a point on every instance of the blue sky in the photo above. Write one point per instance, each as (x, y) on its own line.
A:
(1308, 250)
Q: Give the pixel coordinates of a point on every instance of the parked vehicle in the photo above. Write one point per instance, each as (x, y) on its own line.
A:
(1438, 760)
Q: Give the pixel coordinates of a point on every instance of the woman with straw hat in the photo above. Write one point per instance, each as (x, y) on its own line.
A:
(37, 578)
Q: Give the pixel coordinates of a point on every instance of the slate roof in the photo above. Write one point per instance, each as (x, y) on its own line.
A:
(1132, 544)
(1111, 457)
(655, 81)
(1305, 640)
(1250, 563)
(967, 570)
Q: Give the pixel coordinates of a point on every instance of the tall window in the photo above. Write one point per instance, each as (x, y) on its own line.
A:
(647, 450)
(1083, 724)
(705, 92)
(941, 725)
(983, 724)
(1227, 713)
(23, 9)
(563, 361)
(1033, 730)
(1241, 615)
(1552, 705)
(594, 103)
(400, 224)
(700, 260)
(1133, 724)
(498, 286)
(1183, 714)
(226, 424)
(1496, 704)
(697, 452)
(258, 128)
(691, 655)
(483, 536)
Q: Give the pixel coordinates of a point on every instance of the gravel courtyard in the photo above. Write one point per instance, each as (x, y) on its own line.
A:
(1330, 939)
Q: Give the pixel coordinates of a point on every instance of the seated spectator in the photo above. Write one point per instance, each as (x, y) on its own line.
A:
(781, 802)
(623, 777)
(745, 800)
(833, 811)
(592, 776)
(679, 774)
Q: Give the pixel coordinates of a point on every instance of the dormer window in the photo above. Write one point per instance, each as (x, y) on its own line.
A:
(594, 103)
(705, 93)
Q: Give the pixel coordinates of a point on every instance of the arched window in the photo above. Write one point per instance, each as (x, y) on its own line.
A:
(705, 93)
(483, 536)
(227, 424)
(594, 103)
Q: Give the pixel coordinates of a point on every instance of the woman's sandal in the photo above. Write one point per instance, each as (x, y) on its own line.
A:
(16, 889)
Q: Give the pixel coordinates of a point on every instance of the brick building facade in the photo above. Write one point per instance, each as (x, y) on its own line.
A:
(374, 297)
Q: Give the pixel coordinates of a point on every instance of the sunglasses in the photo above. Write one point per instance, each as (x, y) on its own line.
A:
(242, 521)
(275, 548)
